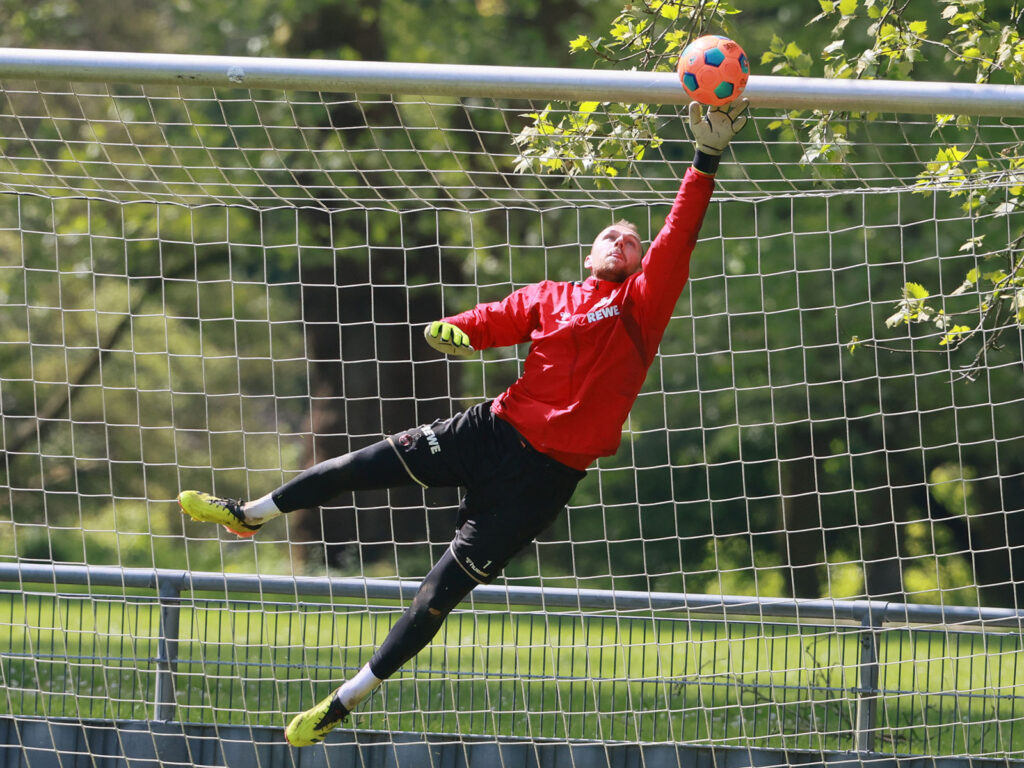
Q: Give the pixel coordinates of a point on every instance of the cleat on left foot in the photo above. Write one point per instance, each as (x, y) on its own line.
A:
(311, 726)
(211, 509)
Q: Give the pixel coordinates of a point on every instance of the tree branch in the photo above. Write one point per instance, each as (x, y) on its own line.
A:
(61, 402)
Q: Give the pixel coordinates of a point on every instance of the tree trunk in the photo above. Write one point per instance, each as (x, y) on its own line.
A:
(370, 375)
(880, 551)
(801, 525)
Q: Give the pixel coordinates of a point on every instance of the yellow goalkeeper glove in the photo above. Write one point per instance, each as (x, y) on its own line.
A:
(447, 338)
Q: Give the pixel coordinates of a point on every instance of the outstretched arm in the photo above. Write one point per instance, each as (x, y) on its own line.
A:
(713, 131)
(666, 266)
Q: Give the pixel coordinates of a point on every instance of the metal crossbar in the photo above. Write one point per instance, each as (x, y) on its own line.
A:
(764, 91)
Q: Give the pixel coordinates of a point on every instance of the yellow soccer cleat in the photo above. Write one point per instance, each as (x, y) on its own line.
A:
(311, 726)
(210, 509)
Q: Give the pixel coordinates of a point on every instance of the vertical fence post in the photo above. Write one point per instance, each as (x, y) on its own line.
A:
(167, 649)
(867, 686)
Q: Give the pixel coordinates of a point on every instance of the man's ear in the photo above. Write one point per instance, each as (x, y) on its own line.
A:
(586, 262)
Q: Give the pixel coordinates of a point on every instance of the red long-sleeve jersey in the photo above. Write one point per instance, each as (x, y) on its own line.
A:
(591, 342)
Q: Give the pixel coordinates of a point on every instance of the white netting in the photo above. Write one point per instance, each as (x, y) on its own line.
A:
(212, 289)
(202, 146)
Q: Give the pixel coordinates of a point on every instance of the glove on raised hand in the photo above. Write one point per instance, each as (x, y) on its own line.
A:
(448, 338)
(713, 132)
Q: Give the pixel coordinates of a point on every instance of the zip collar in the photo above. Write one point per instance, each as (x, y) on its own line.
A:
(594, 284)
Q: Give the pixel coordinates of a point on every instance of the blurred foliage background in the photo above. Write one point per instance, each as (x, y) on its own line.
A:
(244, 297)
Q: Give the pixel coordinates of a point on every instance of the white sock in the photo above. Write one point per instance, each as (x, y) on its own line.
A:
(261, 510)
(353, 691)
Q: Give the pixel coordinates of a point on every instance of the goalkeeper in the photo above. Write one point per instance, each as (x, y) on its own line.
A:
(520, 456)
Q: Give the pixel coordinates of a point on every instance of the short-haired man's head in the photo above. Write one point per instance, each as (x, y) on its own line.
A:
(628, 225)
(616, 253)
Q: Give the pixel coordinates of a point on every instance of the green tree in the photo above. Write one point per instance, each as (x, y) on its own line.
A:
(352, 266)
(825, 515)
(857, 39)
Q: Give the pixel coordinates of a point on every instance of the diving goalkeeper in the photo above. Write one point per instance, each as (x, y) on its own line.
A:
(518, 457)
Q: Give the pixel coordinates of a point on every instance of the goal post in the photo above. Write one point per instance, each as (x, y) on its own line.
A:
(215, 272)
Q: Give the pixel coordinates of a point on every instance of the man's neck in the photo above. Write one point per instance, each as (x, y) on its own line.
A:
(597, 284)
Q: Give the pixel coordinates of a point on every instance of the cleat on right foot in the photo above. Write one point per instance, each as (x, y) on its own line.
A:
(311, 726)
(210, 509)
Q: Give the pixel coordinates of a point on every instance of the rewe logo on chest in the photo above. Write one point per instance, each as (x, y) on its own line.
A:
(602, 313)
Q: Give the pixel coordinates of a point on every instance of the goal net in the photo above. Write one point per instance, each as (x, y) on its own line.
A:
(810, 538)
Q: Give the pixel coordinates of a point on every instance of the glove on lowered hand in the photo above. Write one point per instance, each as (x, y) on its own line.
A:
(448, 338)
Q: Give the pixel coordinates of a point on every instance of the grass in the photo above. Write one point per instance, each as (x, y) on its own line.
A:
(532, 674)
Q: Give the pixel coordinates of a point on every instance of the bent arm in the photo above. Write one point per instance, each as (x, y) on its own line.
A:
(498, 323)
(448, 339)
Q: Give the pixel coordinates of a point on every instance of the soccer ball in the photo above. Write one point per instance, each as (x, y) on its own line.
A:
(713, 70)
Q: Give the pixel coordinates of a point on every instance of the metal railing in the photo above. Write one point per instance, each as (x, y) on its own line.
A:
(870, 616)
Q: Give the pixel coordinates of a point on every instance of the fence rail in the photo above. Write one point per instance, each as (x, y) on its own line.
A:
(875, 612)
(500, 82)
(170, 585)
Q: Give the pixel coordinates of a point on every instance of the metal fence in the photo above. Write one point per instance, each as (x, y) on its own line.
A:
(878, 678)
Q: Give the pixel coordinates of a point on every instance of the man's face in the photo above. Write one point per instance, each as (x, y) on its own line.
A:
(615, 254)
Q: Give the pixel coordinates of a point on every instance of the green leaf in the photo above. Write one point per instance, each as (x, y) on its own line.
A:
(951, 155)
(887, 31)
(999, 276)
(900, 69)
(674, 40)
(915, 291)
(587, 107)
(847, 7)
(954, 335)
(667, 10)
(581, 43)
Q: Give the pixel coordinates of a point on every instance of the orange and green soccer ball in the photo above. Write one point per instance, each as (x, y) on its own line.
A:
(713, 70)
